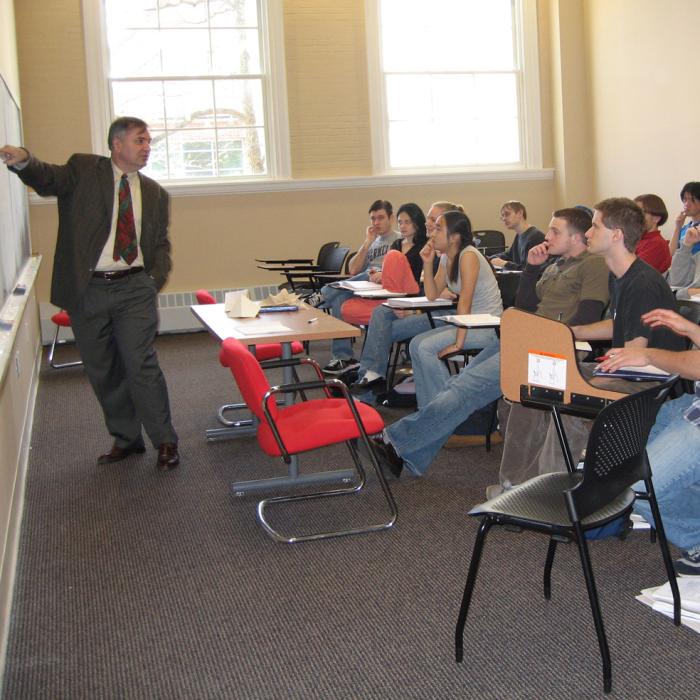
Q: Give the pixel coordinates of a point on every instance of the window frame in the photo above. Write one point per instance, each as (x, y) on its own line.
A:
(274, 97)
(530, 123)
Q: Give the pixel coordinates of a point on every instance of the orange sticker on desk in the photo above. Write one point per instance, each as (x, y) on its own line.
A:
(546, 369)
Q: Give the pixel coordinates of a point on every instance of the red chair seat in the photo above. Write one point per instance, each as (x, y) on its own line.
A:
(332, 422)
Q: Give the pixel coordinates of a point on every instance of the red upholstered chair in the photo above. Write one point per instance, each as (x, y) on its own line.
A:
(263, 351)
(285, 431)
(62, 320)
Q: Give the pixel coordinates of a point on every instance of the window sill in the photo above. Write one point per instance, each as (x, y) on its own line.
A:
(203, 188)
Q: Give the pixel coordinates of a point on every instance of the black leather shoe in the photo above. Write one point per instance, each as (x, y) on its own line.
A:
(387, 456)
(117, 454)
(168, 457)
(365, 385)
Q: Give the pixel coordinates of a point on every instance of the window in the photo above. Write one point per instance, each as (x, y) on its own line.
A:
(203, 76)
(454, 84)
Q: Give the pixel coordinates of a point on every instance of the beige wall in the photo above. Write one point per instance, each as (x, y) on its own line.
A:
(642, 63)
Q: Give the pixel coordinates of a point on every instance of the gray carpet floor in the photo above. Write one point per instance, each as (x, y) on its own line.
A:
(137, 584)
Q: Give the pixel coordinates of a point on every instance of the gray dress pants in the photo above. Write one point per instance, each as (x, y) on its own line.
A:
(115, 324)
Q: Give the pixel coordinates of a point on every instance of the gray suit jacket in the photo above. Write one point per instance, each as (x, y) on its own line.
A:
(84, 187)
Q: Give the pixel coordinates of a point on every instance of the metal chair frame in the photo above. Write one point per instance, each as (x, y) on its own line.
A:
(52, 350)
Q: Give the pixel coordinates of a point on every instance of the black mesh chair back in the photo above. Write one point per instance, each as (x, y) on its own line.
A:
(489, 242)
(616, 451)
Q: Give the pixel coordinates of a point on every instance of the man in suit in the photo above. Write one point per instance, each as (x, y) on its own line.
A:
(112, 257)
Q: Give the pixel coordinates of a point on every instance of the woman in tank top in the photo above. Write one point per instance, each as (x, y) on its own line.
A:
(465, 272)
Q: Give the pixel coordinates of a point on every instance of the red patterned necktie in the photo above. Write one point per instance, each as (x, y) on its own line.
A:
(125, 239)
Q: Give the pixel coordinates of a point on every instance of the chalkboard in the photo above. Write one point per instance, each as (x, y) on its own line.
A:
(14, 221)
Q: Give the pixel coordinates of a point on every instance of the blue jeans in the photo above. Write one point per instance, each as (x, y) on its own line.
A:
(673, 449)
(417, 438)
(385, 328)
(430, 373)
(333, 299)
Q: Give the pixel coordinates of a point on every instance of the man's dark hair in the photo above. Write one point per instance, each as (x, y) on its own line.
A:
(623, 213)
(121, 125)
(654, 205)
(577, 219)
(691, 188)
(381, 204)
(515, 206)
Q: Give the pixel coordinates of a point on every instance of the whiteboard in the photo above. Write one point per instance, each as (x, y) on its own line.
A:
(14, 221)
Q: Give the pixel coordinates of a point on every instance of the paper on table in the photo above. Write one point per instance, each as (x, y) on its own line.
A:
(238, 305)
(472, 320)
(409, 302)
(645, 371)
(377, 293)
(264, 328)
(583, 345)
(357, 285)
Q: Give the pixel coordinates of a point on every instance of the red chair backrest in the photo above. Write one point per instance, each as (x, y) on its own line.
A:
(204, 297)
(249, 376)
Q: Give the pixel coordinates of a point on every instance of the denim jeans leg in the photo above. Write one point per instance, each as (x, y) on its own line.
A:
(385, 328)
(418, 437)
(341, 348)
(673, 448)
(429, 371)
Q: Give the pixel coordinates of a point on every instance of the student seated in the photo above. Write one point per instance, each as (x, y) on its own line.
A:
(465, 272)
(574, 288)
(514, 218)
(402, 267)
(674, 442)
(364, 265)
(390, 325)
(531, 444)
(690, 196)
(653, 247)
(685, 266)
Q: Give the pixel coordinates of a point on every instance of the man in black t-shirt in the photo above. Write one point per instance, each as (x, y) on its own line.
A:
(635, 288)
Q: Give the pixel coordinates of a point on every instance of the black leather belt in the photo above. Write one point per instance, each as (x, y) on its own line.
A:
(117, 274)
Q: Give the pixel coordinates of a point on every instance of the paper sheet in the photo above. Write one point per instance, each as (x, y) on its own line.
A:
(238, 305)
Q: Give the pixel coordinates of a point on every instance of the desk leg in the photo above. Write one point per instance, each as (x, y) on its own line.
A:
(566, 450)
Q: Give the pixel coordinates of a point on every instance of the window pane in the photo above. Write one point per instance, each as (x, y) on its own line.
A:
(131, 13)
(235, 51)
(185, 52)
(144, 99)
(239, 102)
(245, 147)
(134, 53)
(463, 36)
(183, 13)
(188, 103)
(233, 13)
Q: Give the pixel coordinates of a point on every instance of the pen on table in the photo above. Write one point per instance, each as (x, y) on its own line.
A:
(312, 320)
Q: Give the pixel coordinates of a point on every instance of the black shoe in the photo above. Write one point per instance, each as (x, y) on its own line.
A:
(117, 454)
(387, 456)
(377, 384)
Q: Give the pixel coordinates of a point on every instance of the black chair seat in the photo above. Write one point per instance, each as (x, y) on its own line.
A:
(540, 501)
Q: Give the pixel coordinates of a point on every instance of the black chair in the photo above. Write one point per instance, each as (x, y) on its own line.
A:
(296, 262)
(302, 280)
(489, 242)
(566, 505)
